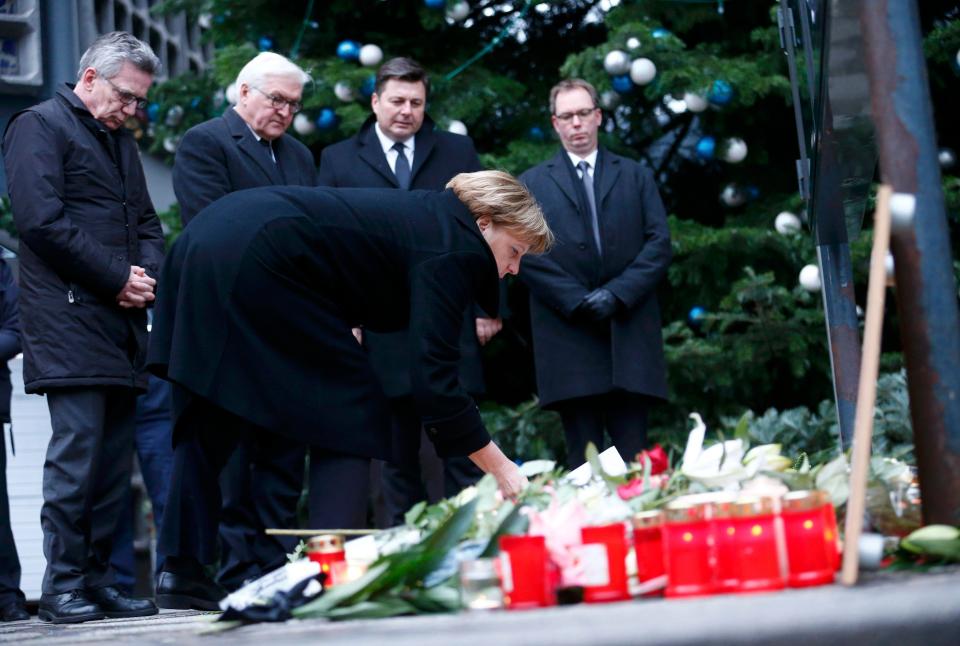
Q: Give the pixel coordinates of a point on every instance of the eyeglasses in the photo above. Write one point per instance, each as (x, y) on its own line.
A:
(568, 116)
(278, 101)
(126, 98)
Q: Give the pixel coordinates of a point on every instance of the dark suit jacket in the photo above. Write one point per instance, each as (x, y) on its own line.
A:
(359, 162)
(222, 155)
(575, 358)
(254, 313)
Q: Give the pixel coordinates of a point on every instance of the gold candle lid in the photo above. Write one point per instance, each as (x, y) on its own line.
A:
(325, 544)
(645, 519)
(686, 509)
(803, 500)
(754, 506)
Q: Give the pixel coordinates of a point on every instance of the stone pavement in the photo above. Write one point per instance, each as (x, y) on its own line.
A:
(888, 608)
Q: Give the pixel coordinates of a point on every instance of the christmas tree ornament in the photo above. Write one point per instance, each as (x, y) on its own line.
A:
(174, 116)
(219, 98)
(458, 11)
(696, 316)
(733, 196)
(170, 143)
(457, 127)
(151, 131)
(706, 147)
(153, 111)
(810, 278)
(370, 55)
(536, 133)
(195, 102)
(622, 84)
(642, 71)
(609, 99)
(675, 106)
(343, 91)
(735, 150)
(753, 191)
(633, 43)
(368, 87)
(265, 43)
(721, 93)
(435, 4)
(787, 223)
(303, 125)
(616, 63)
(695, 102)
(204, 20)
(327, 119)
(903, 207)
(660, 32)
(231, 94)
(663, 117)
(348, 50)
(947, 158)
(888, 266)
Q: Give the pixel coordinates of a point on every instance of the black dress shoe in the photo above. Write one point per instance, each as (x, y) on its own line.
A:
(185, 592)
(116, 604)
(14, 611)
(71, 607)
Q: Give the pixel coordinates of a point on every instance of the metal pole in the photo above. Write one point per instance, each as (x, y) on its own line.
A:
(926, 292)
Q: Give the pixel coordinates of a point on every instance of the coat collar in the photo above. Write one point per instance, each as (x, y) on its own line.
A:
(371, 152)
(606, 173)
(248, 143)
(488, 291)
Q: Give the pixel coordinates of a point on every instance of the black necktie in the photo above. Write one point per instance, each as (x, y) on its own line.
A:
(268, 149)
(402, 168)
(591, 200)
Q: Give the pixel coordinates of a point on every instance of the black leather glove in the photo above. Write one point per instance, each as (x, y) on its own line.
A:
(598, 305)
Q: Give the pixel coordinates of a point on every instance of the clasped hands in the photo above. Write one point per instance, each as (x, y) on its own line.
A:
(598, 305)
(138, 291)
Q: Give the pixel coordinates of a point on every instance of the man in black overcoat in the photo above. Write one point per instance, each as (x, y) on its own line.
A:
(91, 245)
(245, 148)
(593, 306)
(430, 158)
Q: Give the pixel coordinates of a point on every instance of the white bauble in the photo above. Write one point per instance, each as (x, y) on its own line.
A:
(633, 42)
(610, 100)
(370, 55)
(903, 208)
(616, 63)
(735, 151)
(732, 195)
(787, 223)
(947, 158)
(344, 92)
(810, 278)
(458, 11)
(231, 94)
(204, 20)
(170, 143)
(642, 71)
(888, 266)
(457, 127)
(303, 124)
(695, 102)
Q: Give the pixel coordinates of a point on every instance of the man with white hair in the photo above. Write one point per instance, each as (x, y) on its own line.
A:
(245, 148)
(90, 250)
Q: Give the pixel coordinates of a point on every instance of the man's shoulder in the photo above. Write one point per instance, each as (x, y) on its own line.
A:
(348, 146)
(215, 128)
(452, 140)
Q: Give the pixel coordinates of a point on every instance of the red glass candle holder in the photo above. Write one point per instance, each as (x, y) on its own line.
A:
(723, 529)
(524, 573)
(808, 548)
(326, 549)
(830, 532)
(757, 548)
(648, 548)
(605, 563)
(687, 549)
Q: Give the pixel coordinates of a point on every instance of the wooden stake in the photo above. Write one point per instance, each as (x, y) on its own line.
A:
(316, 532)
(867, 392)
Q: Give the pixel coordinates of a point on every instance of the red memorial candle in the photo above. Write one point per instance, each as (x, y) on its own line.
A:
(648, 547)
(808, 546)
(604, 554)
(327, 550)
(757, 548)
(524, 573)
(724, 531)
(830, 533)
(687, 549)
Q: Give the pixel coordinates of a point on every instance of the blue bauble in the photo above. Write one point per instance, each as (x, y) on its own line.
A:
(660, 32)
(536, 133)
(195, 102)
(153, 111)
(326, 119)
(753, 192)
(435, 4)
(369, 86)
(348, 50)
(622, 84)
(721, 93)
(696, 316)
(706, 147)
(265, 43)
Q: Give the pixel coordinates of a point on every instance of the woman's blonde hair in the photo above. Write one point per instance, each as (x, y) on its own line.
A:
(502, 198)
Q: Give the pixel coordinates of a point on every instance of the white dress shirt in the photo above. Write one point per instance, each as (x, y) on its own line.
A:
(387, 143)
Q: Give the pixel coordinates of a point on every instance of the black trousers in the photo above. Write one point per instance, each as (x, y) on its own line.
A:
(206, 438)
(622, 414)
(9, 563)
(417, 473)
(85, 476)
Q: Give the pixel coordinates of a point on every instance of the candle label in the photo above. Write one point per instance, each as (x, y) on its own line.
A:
(506, 573)
(594, 564)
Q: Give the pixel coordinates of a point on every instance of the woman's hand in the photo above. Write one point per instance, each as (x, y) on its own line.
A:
(492, 460)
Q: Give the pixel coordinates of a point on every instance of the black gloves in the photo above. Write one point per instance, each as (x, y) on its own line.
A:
(598, 305)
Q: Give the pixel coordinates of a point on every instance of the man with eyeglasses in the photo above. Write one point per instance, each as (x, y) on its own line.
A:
(90, 250)
(247, 147)
(594, 315)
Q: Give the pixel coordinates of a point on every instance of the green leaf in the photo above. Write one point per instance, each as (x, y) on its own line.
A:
(383, 607)
(514, 523)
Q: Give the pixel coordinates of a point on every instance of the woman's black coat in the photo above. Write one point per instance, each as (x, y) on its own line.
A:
(258, 296)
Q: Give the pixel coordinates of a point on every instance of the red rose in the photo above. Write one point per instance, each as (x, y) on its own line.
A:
(658, 459)
(630, 490)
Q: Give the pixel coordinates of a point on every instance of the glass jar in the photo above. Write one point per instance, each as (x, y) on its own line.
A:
(604, 554)
(809, 541)
(688, 549)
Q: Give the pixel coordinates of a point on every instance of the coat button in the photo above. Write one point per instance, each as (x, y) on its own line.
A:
(582, 246)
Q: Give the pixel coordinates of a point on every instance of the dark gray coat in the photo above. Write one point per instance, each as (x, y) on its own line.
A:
(81, 206)
(576, 358)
